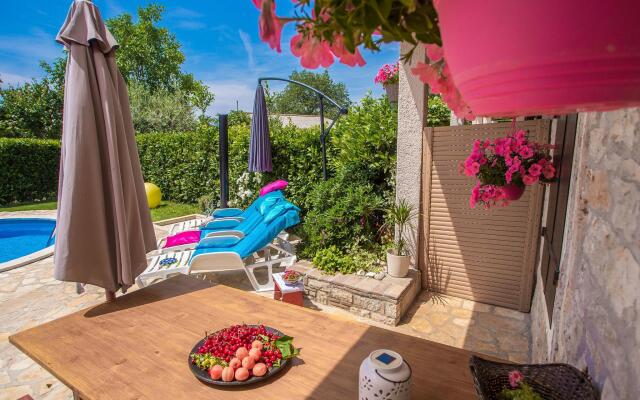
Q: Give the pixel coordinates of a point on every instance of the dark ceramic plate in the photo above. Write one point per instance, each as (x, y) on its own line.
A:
(204, 375)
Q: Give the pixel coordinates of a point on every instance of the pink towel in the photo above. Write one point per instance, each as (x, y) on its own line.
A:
(186, 237)
(273, 186)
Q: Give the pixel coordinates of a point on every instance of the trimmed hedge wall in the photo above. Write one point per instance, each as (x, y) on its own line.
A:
(28, 169)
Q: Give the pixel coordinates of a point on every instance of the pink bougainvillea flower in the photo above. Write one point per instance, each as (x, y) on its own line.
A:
(312, 52)
(426, 73)
(529, 180)
(515, 377)
(270, 25)
(346, 57)
(535, 170)
(508, 176)
(434, 52)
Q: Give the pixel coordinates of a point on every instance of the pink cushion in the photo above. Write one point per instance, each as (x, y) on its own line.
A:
(186, 237)
(273, 186)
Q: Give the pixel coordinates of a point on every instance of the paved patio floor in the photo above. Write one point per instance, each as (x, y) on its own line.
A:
(29, 296)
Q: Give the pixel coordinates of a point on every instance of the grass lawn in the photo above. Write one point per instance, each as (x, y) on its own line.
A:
(166, 209)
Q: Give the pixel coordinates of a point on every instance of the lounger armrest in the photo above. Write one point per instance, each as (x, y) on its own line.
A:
(226, 212)
(226, 223)
(218, 241)
(238, 234)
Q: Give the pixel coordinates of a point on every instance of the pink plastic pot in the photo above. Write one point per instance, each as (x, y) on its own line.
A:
(513, 192)
(524, 57)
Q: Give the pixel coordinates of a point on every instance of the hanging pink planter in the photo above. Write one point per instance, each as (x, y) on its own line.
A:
(513, 192)
(516, 57)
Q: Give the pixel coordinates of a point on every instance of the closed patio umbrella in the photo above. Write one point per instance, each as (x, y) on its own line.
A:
(259, 142)
(104, 227)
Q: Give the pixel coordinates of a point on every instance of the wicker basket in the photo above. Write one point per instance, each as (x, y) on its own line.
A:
(551, 381)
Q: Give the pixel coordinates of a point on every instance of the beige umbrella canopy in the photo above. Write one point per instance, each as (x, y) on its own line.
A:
(104, 228)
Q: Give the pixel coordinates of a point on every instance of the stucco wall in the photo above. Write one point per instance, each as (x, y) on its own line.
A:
(596, 320)
(411, 121)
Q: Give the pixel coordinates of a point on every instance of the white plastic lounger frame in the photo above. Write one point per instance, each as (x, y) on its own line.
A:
(157, 270)
(225, 261)
(218, 262)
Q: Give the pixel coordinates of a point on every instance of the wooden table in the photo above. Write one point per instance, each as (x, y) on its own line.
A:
(137, 348)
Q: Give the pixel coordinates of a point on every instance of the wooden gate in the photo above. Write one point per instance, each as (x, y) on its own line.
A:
(483, 255)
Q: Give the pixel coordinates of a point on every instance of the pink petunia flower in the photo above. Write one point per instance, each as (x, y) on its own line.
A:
(434, 52)
(515, 377)
(525, 152)
(270, 25)
(535, 170)
(346, 57)
(529, 180)
(312, 52)
(548, 171)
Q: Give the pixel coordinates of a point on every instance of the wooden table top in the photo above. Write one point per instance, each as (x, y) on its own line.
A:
(137, 348)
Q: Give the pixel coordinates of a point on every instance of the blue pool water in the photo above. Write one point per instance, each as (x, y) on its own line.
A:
(22, 236)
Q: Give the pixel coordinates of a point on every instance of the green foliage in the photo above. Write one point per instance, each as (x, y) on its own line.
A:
(523, 392)
(34, 109)
(370, 23)
(399, 215)
(342, 212)
(28, 169)
(184, 165)
(295, 99)
(163, 98)
(365, 142)
(438, 114)
(160, 110)
(332, 260)
(149, 54)
(239, 117)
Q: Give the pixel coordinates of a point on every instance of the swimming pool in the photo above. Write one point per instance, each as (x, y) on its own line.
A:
(21, 237)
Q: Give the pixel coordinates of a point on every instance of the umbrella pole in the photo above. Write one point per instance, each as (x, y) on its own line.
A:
(110, 295)
(223, 131)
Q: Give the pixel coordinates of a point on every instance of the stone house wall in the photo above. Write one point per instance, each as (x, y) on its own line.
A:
(596, 319)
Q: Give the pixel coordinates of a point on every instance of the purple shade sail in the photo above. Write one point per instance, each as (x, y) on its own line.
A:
(259, 142)
(104, 227)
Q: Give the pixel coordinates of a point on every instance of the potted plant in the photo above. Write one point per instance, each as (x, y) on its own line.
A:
(388, 77)
(505, 166)
(398, 217)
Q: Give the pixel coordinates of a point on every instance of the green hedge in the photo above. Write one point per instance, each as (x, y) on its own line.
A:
(28, 169)
(183, 164)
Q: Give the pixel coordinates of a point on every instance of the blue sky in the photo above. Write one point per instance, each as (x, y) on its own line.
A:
(219, 38)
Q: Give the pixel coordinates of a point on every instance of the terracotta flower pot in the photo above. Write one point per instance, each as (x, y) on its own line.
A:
(513, 192)
(511, 58)
(392, 92)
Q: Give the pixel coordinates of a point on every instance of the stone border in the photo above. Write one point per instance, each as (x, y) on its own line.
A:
(31, 257)
(385, 300)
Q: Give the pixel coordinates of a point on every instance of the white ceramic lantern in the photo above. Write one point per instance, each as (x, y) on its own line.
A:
(384, 375)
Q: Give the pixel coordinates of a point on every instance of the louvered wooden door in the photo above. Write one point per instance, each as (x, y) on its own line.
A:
(482, 255)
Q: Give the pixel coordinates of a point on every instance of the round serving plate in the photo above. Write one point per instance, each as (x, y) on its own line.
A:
(203, 375)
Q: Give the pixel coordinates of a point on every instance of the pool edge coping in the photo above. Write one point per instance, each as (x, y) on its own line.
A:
(31, 257)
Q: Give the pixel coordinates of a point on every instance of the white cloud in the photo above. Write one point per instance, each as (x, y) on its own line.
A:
(228, 93)
(248, 47)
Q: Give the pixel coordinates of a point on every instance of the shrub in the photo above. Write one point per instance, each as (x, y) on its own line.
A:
(331, 260)
(28, 169)
(341, 213)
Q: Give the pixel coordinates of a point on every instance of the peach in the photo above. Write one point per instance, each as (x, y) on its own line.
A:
(235, 363)
(255, 353)
(242, 374)
(215, 372)
(257, 344)
(227, 374)
(259, 369)
(242, 352)
(248, 362)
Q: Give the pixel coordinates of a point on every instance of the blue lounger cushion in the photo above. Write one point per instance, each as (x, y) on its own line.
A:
(258, 238)
(217, 241)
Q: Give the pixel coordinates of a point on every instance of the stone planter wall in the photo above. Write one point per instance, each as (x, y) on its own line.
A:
(385, 300)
